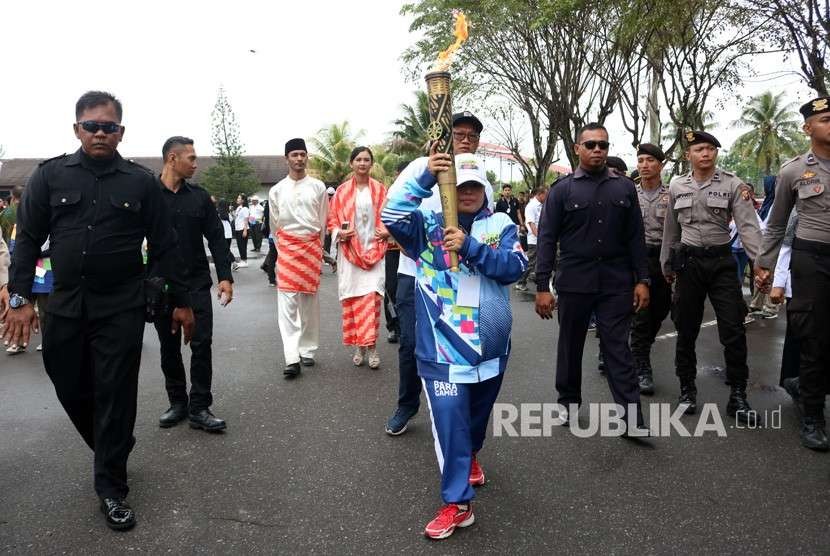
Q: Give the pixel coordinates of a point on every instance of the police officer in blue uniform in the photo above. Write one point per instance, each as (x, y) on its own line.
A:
(594, 217)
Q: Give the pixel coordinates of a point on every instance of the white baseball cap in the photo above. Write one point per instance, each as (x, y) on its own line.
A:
(469, 168)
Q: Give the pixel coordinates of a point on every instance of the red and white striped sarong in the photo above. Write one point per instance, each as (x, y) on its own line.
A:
(361, 319)
(299, 262)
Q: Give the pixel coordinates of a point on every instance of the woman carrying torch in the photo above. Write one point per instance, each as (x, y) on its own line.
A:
(463, 319)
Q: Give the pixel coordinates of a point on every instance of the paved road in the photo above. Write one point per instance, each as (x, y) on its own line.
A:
(306, 467)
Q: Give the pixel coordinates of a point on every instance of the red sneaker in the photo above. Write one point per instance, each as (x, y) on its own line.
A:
(476, 473)
(449, 517)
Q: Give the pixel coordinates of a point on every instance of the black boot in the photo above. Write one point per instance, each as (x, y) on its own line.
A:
(738, 407)
(175, 414)
(644, 374)
(793, 388)
(205, 420)
(813, 433)
(688, 395)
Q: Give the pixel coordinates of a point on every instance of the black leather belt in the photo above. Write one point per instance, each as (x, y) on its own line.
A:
(711, 251)
(816, 247)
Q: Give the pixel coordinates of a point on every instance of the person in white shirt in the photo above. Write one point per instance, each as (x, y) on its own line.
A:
(298, 208)
(355, 226)
(533, 211)
(240, 226)
(255, 222)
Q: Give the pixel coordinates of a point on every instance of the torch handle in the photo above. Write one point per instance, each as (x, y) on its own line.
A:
(449, 206)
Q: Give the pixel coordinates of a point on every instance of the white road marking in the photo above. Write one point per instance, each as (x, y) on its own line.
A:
(674, 334)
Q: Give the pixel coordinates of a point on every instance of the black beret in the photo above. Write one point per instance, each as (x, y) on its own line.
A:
(468, 117)
(651, 150)
(696, 137)
(296, 144)
(616, 163)
(815, 106)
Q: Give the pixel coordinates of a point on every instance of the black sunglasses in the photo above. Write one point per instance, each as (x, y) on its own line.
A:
(93, 127)
(591, 145)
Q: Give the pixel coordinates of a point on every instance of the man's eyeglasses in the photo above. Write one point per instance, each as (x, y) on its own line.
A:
(460, 136)
(591, 145)
(93, 127)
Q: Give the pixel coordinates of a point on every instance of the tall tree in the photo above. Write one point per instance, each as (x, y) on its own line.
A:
(231, 174)
(801, 27)
(410, 138)
(704, 52)
(774, 132)
(332, 146)
(541, 55)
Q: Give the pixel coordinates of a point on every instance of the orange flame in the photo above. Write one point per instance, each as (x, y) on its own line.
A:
(460, 33)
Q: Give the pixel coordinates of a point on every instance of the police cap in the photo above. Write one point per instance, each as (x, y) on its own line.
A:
(616, 163)
(652, 150)
(697, 137)
(815, 106)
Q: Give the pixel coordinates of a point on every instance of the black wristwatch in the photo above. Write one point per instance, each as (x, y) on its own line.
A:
(646, 281)
(17, 301)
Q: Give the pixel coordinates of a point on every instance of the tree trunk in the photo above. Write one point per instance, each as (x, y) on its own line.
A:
(654, 125)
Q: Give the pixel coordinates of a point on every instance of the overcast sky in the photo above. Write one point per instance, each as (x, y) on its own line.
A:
(315, 62)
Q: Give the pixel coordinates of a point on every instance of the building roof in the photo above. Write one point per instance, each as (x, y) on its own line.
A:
(269, 169)
(503, 153)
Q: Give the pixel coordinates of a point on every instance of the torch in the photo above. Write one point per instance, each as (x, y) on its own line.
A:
(440, 133)
(440, 126)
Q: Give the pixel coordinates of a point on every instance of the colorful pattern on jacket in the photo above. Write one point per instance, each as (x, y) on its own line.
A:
(457, 343)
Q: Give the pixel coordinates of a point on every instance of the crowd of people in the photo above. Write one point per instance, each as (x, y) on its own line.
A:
(621, 251)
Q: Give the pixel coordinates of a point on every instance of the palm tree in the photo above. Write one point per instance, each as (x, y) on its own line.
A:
(386, 164)
(774, 132)
(332, 146)
(411, 136)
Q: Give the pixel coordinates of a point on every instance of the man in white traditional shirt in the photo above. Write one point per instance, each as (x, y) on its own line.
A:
(298, 208)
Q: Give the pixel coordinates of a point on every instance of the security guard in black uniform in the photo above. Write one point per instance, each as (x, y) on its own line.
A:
(594, 217)
(696, 250)
(96, 208)
(804, 182)
(654, 201)
(196, 220)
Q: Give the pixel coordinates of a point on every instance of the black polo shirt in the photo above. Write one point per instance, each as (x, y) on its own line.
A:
(195, 218)
(595, 221)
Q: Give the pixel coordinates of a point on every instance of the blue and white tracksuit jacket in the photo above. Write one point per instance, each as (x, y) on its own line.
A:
(461, 351)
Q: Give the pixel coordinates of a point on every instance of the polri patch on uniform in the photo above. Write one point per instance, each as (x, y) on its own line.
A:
(746, 193)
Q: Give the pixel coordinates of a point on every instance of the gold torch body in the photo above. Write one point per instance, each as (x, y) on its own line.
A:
(440, 133)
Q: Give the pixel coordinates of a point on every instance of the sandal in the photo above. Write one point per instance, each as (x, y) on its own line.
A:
(374, 359)
(357, 358)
